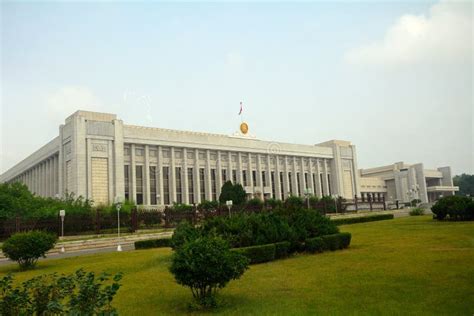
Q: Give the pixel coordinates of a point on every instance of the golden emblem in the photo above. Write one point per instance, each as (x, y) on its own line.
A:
(244, 128)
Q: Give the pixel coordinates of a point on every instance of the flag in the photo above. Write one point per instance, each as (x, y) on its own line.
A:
(240, 112)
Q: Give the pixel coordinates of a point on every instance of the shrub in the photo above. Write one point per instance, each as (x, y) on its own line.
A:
(258, 254)
(232, 192)
(26, 248)
(282, 249)
(363, 219)
(183, 233)
(414, 202)
(345, 239)
(315, 244)
(417, 211)
(309, 223)
(456, 207)
(80, 293)
(273, 203)
(294, 203)
(243, 230)
(153, 243)
(331, 242)
(206, 265)
(206, 206)
(254, 204)
(177, 207)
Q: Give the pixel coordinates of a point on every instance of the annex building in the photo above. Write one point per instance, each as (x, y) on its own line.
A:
(99, 157)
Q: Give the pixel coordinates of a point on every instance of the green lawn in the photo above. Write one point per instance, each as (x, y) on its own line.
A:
(411, 265)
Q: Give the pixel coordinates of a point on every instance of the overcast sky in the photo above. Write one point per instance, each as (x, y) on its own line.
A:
(395, 79)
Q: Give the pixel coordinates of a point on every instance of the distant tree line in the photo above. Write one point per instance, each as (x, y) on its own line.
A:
(465, 182)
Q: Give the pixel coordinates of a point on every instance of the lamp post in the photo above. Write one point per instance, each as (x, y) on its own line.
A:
(229, 205)
(62, 214)
(335, 196)
(118, 205)
(307, 194)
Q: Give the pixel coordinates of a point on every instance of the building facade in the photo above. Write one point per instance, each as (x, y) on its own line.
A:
(99, 157)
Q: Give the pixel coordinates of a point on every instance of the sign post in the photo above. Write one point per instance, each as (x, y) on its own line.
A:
(62, 214)
(229, 205)
(118, 205)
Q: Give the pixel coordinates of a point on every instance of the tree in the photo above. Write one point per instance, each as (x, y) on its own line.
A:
(465, 183)
(205, 265)
(26, 248)
(232, 192)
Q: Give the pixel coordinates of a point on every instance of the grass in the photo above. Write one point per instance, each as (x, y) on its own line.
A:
(411, 265)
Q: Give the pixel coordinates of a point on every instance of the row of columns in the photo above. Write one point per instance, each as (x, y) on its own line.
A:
(263, 175)
(43, 178)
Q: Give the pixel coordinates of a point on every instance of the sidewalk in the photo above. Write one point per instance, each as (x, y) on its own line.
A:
(100, 244)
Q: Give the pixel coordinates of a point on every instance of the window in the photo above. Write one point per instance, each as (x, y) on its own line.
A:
(244, 177)
(213, 185)
(152, 152)
(126, 172)
(126, 151)
(290, 183)
(234, 176)
(166, 185)
(282, 189)
(202, 184)
(272, 175)
(264, 180)
(139, 184)
(224, 175)
(139, 151)
(153, 185)
(306, 182)
(329, 184)
(254, 178)
(298, 184)
(322, 185)
(191, 186)
(179, 191)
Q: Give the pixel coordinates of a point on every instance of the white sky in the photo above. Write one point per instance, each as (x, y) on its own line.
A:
(396, 78)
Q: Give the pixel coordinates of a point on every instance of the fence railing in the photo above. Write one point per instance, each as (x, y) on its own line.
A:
(100, 222)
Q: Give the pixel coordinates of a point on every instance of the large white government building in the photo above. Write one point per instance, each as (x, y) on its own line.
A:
(98, 157)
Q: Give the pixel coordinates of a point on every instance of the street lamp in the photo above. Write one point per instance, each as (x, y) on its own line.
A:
(229, 205)
(307, 193)
(335, 196)
(118, 205)
(62, 213)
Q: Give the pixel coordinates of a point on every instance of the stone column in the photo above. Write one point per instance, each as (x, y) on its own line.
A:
(303, 184)
(286, 180)
(146, 189)
(310, 175)
(239, 168)
(278, 184)
(325, 177)
(229, 172)
(160, 176)
(219, 174)
(207, 178)
(294, 178)
(184, 174)
(197, 182)
(133, 174)
(173, 176)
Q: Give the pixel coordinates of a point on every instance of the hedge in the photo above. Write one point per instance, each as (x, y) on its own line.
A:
(315, 244)
(331, 242)
(345, 239)
(258, 254)
(282, 249)
(153, 243)
(363, 219)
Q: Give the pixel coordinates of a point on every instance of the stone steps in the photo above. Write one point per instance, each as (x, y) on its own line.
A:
(100, 243)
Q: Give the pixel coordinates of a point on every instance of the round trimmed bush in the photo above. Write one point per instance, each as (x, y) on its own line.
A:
(205, 265)
(26, 248)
